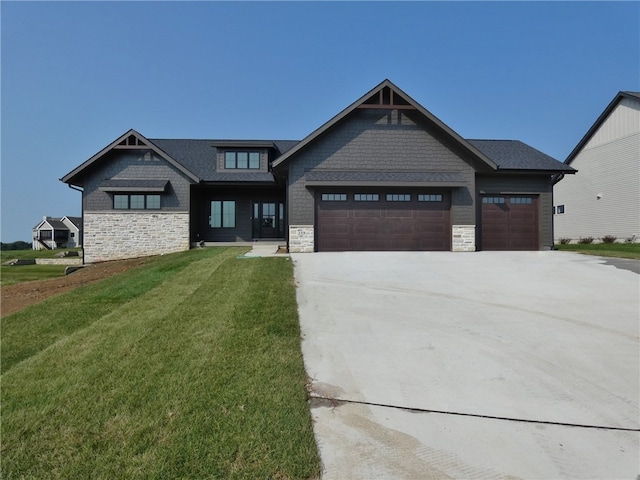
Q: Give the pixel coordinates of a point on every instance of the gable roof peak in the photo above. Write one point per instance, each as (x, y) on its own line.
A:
(386, 95)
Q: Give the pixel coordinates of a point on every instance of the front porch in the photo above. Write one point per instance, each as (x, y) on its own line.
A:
(233, 216)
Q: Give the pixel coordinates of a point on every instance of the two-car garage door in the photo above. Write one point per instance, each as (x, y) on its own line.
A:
(383, 220)
(395, 219)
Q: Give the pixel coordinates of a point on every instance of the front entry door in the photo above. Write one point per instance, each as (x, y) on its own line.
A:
(268, 220)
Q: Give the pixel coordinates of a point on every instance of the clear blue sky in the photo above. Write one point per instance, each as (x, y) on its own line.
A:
(77, 75)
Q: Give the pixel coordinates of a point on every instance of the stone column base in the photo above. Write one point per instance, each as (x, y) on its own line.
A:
(301, 239)
(463, 238)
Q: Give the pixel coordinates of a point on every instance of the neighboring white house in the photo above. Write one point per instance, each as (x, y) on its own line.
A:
(603, 198)
(51, 233)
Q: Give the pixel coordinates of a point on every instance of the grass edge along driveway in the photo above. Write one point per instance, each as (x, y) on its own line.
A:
(189, 367)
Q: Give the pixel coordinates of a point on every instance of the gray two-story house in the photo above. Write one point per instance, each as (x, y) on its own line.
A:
(383, 174)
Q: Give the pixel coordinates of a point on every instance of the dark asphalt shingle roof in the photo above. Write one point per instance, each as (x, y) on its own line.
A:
(516, 155)
(198, 156)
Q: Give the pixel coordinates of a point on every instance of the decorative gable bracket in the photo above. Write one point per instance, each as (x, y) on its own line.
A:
(387, 98)
(132, 142)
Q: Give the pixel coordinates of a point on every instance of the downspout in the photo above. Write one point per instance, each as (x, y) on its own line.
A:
(72, 187)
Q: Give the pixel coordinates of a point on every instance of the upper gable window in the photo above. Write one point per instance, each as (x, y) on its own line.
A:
(242, 160)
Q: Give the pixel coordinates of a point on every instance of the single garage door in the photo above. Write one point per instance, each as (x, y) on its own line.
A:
(509, 222)
(383, 220)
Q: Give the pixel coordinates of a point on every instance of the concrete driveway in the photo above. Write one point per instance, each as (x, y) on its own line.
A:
(480, 365)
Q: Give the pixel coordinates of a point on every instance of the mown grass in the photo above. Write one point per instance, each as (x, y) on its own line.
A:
(10, 275)
(189, 367)
(620, 250)
(6, 255)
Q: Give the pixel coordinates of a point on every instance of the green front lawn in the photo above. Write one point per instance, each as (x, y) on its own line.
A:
(621, 250)
(187, 367)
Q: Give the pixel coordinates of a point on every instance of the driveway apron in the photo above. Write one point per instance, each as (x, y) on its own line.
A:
(471, 365)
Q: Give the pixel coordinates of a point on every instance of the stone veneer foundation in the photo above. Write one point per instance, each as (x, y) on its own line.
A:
(116, 236)
(463, 238)
(301, 239)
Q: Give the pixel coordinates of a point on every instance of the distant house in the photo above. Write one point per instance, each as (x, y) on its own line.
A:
(51, 233)
(604, 197)
(383, 174)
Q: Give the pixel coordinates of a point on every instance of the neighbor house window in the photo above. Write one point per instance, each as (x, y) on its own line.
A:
(136, 202)
(334, 197)
(223, 214)
(398, 197)
(242, 160)
(366, 197)
(492, 199)
(430, 198)
(560, 209)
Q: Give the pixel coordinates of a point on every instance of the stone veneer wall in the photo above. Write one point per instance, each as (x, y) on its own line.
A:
(463, 238)
(301, 239)
(116, 236)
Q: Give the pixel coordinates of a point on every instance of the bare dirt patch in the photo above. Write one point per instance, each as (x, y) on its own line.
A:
(14, 298)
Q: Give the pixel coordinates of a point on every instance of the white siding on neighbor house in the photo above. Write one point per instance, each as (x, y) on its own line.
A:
(603, 198)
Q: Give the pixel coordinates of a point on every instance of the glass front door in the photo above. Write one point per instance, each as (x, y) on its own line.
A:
(268, 220)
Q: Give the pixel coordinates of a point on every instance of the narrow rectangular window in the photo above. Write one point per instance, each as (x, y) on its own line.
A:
(254, 160)
(153, 202)
(215, 220)
(334, 197)
(229, 159)
(398, 197)
(136, 201)
(242, 160)
(229, 214)
(120, 202)
(496, 200)
(430, 198)
(366, 197)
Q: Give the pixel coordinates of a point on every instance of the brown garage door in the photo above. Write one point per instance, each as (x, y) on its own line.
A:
(509, 222)
(383, 220)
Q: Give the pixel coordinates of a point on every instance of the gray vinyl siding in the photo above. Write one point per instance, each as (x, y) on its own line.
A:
(380, 140)
(539, 185)
(123, 164)
(603, 198)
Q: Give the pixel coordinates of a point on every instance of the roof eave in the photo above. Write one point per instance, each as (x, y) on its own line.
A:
(603, 116)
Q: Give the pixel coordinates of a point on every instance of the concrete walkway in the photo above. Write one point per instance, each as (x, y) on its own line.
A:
(483, 365)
